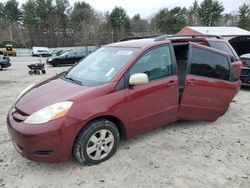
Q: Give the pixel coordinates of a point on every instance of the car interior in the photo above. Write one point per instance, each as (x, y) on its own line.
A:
(181, 54)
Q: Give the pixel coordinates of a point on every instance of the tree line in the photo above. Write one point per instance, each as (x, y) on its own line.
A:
(56, 23)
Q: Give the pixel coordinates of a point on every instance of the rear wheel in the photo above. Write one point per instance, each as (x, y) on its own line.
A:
(37, 72)
(44, 71)
(1, 67)
(30, 72)
(96, 142)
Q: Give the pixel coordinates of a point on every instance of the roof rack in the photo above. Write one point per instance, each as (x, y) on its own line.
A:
(164, 37)
(144, 37)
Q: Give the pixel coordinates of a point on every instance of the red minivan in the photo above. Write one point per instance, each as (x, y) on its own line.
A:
(119, 91)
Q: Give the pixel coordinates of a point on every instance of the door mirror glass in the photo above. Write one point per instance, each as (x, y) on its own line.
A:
(138, 79)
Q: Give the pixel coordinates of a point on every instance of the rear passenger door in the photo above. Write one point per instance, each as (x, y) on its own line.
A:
(235, 60)
(209, 86)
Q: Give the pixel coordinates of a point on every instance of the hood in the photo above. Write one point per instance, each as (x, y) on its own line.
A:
(48, 93)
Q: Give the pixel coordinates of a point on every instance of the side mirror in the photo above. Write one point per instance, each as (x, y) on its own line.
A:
(138, 79)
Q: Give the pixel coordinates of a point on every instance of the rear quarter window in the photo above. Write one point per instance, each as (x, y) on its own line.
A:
(222, 46)
(209, 64)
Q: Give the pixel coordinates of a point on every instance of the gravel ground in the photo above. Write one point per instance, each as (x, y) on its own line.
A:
(183, 154)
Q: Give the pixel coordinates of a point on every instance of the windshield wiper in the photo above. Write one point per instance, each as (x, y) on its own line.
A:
(73, 80)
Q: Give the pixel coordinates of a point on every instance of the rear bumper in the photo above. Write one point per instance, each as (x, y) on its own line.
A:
(51, 142)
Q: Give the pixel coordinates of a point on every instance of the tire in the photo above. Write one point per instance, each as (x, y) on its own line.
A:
(1, 67)
(57, 63)
(31, 72)
(44, 71)
(37, 72)
(92, 141)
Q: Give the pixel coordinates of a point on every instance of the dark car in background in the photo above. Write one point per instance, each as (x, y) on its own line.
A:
(68, 57)
(4, 62)
(245, 73)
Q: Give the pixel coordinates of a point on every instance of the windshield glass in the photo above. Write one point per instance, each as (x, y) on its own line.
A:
(245, 60)
(101, 66)
(63, 53)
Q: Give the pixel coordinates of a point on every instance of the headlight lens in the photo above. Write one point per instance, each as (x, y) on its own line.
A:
(25, 90)
(49, 113)
(50, 59)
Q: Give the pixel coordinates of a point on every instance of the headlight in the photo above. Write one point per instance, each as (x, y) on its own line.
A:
(25, 90)
(49, 113)
(50, 59)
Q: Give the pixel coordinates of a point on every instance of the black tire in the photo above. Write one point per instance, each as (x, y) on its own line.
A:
(37, 72)
(83, 141)
(1, 67)
(44, 71)
(31, 72)
(57, 63)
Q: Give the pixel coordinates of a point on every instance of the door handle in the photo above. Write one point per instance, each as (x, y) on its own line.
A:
(171, 83)
(192, 82)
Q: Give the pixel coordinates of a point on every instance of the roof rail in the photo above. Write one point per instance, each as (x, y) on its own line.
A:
(144, 37)
(164, 37)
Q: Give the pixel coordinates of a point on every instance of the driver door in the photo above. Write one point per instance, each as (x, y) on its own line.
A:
(155, 103)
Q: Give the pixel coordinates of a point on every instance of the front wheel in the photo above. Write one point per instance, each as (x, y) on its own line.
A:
(1, 67)
(96, 142)
(57, 63)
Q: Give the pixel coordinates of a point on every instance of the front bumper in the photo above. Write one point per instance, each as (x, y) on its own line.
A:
(49, 62)
(245, 76)
(51, 142)
(5, 64)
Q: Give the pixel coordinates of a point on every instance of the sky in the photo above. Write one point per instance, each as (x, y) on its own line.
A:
(147, 8)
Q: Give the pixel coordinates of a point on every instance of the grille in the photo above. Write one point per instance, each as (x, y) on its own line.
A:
(245, 72)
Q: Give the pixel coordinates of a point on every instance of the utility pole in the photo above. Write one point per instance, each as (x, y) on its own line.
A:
(11, 37)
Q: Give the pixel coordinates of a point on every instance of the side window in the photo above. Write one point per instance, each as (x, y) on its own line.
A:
(223, 47)
(209, 64)
(156, 63)
(71, 54)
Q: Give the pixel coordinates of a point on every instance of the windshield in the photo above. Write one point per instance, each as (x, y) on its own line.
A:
(64, 53)
(101, 66)
(245, 60)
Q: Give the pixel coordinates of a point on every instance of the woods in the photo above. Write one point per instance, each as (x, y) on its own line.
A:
(57, 23)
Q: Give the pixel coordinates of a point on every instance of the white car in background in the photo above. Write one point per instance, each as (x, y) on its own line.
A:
(41, 52)
(245, 72)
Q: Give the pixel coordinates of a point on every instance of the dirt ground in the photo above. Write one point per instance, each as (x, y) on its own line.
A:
(183, 154)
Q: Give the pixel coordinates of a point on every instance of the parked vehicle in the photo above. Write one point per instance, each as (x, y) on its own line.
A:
(66, 58)
(4, 62)
(40, 52)
(119, 91)
(245, 73)
(9, 50)
(37, 68)
(57, 52)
